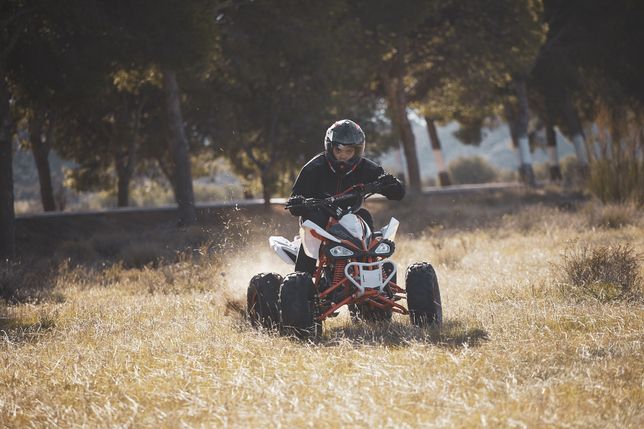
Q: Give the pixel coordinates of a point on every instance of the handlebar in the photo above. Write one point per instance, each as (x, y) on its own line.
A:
(362, 191)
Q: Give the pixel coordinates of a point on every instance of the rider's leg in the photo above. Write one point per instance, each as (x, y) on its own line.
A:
(304, 263)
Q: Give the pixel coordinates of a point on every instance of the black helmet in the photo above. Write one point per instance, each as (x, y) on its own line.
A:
(344, 133)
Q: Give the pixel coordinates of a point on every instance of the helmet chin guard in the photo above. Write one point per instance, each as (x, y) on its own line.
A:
(344, 133)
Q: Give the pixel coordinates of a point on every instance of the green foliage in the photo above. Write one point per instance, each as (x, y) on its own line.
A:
(262, 80)
(473, 169)
(487, 47)
(282, 83)
(605, 273)
(177, 34)
(470, 130)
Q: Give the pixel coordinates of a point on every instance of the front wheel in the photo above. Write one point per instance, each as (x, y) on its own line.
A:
(297, 306)
(423, 295)
(261, 300)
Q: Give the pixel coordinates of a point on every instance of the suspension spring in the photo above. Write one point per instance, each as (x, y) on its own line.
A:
(338, 271)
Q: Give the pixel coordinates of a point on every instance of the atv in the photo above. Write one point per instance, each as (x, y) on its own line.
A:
(353, 269)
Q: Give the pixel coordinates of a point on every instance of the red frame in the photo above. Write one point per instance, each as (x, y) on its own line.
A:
(371, 297)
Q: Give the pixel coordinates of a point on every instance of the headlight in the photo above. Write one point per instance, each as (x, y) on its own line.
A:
(383, 249)
(339, 251)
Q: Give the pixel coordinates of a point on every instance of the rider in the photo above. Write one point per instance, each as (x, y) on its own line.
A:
(339, 167)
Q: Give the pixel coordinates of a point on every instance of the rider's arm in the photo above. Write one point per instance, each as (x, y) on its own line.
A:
(303, 187)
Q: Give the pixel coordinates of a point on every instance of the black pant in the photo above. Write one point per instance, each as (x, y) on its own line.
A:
(305, 263)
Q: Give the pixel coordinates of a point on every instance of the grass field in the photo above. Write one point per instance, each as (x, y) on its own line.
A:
(167, 344)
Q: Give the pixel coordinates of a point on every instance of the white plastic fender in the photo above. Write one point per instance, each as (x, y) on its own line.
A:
(356, 226)
(312, 244)
(283, 247)
(389, 232)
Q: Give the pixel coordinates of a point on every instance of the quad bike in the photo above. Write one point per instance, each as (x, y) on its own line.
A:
(353, 268)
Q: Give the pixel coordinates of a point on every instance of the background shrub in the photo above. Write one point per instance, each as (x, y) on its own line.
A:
(473, 169)
(31, 281)
(617, 180)
(605, 273)
(612, 215)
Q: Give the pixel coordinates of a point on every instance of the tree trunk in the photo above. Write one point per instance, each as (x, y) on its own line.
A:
(576, 135)
(511, 118)
(179, 150)
(7, 214)
(443, 175)
(266, 188)
(167, 168)
(521, 118)
(553, 156)
(123, 174)
(397, 101)
(40, 151)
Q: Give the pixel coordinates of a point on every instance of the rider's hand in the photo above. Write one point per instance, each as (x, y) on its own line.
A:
(386, 180)
(370, 188)
(295, 205)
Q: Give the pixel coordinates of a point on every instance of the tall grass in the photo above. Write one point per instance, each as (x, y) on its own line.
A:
(618, 180)
(166, 346)
(617, 157)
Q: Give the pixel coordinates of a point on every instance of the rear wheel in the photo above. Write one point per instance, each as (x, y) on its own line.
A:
(423, 295)
(296, 303)
(262, 300)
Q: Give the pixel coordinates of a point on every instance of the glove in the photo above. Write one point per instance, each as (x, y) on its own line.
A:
(370, 188)
(391, 187)
(386, 180)
(294, 205)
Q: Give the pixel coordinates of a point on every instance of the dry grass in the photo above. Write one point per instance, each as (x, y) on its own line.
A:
(604, 273)
(167, 346)
(613, 215)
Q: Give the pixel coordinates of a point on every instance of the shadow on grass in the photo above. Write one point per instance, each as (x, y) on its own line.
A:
(453, 334)
(17, 330)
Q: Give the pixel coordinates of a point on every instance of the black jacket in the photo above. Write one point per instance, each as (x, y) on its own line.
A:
(317, 180)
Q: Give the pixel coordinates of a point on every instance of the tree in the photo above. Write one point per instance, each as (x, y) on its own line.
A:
(40, 138)
(443, 174)
(54, 61)
(7, 216)
(451, 49)
(283, 80)
(105, 135)
(177, 37)
(386, 34)
(14, 16)
(589, 65)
